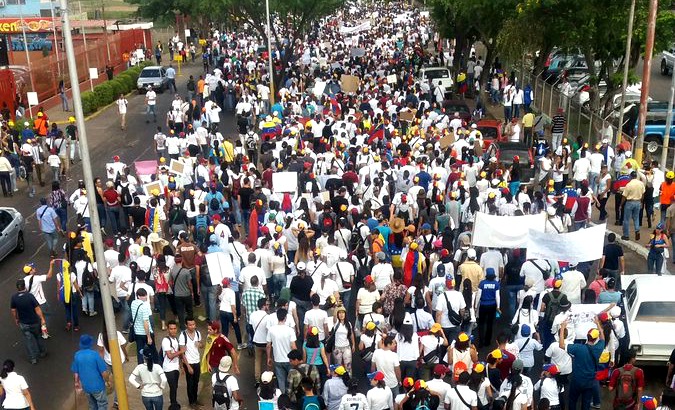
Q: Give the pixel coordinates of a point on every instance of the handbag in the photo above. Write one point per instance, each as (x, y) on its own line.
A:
(329, 345)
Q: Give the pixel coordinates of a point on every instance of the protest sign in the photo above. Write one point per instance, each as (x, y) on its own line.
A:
(220, 266)
(580, 246)
(285, 181)
(497, 231)
(350, 83)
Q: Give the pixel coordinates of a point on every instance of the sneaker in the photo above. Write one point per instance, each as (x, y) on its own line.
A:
(76, 328)
(625, 238)
(33, 361)
(93, 313)
(242, 346)
(637, 236)
(595, 406)
(201, 318)
(126, 332)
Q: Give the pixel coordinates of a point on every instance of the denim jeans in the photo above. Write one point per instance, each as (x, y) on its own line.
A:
(278, 281)
(184, 308)
(583, 390)
(98, 400)
(125, 313)
(52, 239)
(150, 109)
(227, 319)
(654, 261)
(73, 310)
(281, 371)
(142, 343)
(35, 344)
(210, 301)
(346, 298)
(114, 217)
(153, 403)
(592, 178)
(62, 213)
(513, 298)
(631, 211)
(88, 301)
(102, 214)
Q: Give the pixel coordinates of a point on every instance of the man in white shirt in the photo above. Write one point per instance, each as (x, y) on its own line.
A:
(382, 272)
(257, 326)
(34, 285)
(492, 259)
(250, 270)
(171, 360)
(122, 110)
(190, 341)
(317, 317)
(535, 269)
(280, 341)
(150, 105)
(120, 275)
(572, 283)
(455, 301)
(460, 394)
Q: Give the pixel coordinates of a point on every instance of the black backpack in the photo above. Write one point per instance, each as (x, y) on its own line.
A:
(552, 307)
(127, 199)
(221, 396)
(88, 279)
(214, 204)
(250, 142)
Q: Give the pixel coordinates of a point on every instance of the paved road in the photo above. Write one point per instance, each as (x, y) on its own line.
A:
(659, 88)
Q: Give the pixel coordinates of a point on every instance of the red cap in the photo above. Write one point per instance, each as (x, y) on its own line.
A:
(444, 253)
(265, 230)
(226, 282)
(216, 217)
(368, 279)
(109, 242)
(116, 158)
(603, 317)
(441, 370)
(308, 164)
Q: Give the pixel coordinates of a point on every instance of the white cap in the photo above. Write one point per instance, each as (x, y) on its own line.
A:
(471, 253)
(550, 210)
(301, 266)
(605, 141)
(474, 126)
(266, 377)
(615, 312)
(629, 154)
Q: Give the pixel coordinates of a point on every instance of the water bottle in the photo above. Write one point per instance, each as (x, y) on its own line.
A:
(498, 315)
(45, 333)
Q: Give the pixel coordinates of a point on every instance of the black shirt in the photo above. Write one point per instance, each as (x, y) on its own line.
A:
(245, 195)
(612, 252)
(25, 304)
(301, 287)
(137, 214)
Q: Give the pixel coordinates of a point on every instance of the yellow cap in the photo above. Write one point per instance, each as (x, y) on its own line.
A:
(479, 368)
(162, 160)
(594, 333)
(27, 269)
(10, 123)
(497, 354)
(340, 370)
(414, 246)
(71, 119)
(670, 175)
(314, 331)
(463, 337)
(370, 326)
(436, 327)
(154, 192)
(278, 228)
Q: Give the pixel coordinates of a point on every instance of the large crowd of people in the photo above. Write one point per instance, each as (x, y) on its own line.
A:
(331, 234)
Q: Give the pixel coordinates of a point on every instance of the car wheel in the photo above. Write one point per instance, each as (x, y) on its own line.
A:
(20, 243)
(653, 144)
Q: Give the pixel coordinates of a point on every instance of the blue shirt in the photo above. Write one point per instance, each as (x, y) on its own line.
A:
(47, 216)
(609, 297)
(584, 364)
(89, 365)
(489, 289)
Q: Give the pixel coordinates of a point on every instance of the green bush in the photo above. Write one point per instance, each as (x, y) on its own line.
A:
(104, 94)
(89, 102)
(117, 87)
(127, 81)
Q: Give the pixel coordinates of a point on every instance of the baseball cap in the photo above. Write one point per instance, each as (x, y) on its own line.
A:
(408, 382)
(490, 273)
(479, 367)
(649, 402)
(367, 279)
(551, 368)
(436, 327)
(517, 365)
(497, 354)
(463, 337)
(313, 331)
(266, 377)
(471, 253)
(301, 266)
(27, 268)
(603, 317)
(593, 334)
(377, 376)
(557, 283)
(525, 331)
(339, 370)
(420, 385)
(371, 326)
(441, 369)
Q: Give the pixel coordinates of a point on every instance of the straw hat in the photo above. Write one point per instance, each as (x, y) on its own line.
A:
(397, 225)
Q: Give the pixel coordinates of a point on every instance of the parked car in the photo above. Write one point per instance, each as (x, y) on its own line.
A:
(436, 74)
(491, 130)
(505, 151)
(154, 76)
(460, 106)
(668, 60)
(649, 304)
(12, 227)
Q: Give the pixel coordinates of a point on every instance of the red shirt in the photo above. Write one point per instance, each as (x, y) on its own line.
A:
(639, 379)
(220, 347)
(505, 365)
(111, 197)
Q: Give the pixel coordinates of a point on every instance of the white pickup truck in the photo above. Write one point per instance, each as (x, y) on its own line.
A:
(668, 60)
(433, 75)
(649, 303)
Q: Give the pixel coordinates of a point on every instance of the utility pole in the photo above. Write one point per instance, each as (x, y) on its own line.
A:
(669, 124)
(626, 57)
(646, 74)
(117, 370)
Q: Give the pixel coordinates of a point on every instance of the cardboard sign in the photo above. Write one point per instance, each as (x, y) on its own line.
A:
(220, 267)
(285, 181)
(391, 79)
(350, 83)
(319, 86)
(93, 73)
(407, 115)
(446, 141)
(176, 167)
(151, 186)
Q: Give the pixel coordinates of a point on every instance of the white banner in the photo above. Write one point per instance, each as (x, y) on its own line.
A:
(581, 318)
(220, 266)
(505, 231)
(285, 181)
(580, 246)
(356, 29)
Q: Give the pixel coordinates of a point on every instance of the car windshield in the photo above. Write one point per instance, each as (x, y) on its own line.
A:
(452, 108)
(506, 155)
(153, 72)
(656, 312)
(434, 74)
(489, 133)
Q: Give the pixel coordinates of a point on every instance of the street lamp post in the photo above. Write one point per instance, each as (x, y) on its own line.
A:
(269, 53)
(111, 329)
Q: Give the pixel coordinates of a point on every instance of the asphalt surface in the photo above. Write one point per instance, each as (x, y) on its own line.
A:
(50, 380)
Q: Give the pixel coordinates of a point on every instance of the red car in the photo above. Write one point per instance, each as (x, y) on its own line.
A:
(491, 131)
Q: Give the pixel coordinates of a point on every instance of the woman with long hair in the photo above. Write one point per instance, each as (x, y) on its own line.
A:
(526, 314)
(398, 314)
(314, 353)
(480, 383)
(658, 243)
(151, 380)
(408, 349)
(344, 339)
(14, 388)
(549, 385)
(379, 396)
(514, 175)
(160, 276)
(464, 352)
(353, 399)
(516, 400)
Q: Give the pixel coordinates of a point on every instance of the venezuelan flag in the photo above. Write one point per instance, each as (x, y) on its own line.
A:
(376, 133)
(411, 267)
(63, 280)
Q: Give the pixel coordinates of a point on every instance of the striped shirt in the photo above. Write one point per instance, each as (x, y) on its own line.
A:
(250, 299)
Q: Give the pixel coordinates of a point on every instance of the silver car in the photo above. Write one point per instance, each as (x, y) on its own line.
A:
(153, 76)
(12, 226)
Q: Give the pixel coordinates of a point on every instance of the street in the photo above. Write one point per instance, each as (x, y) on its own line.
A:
(50, 381)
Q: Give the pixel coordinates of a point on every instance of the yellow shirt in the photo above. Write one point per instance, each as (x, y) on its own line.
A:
(634, 190)
(528, 120)
(229, 151)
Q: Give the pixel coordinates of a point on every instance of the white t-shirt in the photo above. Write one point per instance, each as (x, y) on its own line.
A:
(366, 300)
(380, 399)
(456, 303)
(357, 401)
(382, 274)
(316, 317)
(232, 386)
(151, 97)
(281, 337)
(408, 351)
(36, 287)
(439, 386)
(386, 361)
(121, 276)
(560, 358)
(227, 299)
(572, 283)
(329, 288)
(258, 320)
(14, 385)
(469, 396)
(190, 343)
(170, 345)
(122, 105)
(121, 341)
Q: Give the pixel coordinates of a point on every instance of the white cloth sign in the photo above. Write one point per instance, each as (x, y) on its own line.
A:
(285, 181)
(581, 318)
(505, 231)
(220, 266)
(580, 246)
(355, 29)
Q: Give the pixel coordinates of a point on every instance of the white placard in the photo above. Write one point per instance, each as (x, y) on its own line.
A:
(581, 318)
(93, 73)
(424, 14)
(285, 181)
(176, 167)
(319, 86)
(187, 32)
(152, 186)
(391, 79)
(32, 98)
(220, 266)
(505, 231)
(581, 246)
